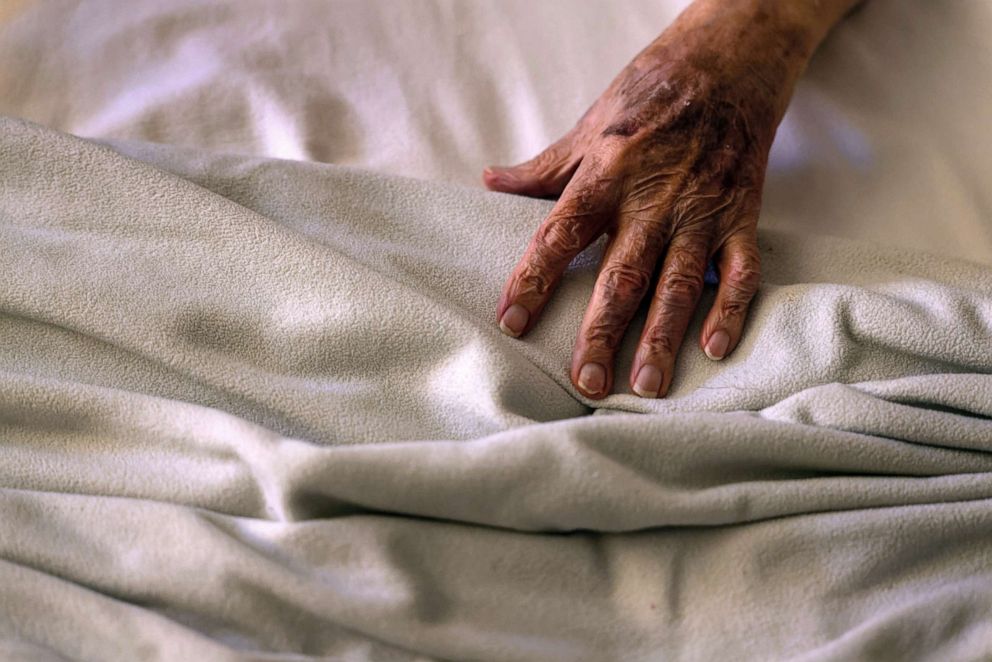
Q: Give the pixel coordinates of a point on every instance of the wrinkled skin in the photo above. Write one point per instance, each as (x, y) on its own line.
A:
(669, 163)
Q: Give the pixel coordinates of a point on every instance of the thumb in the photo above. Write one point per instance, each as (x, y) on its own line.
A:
(544, 176)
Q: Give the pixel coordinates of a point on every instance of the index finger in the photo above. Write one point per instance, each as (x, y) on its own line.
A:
(581, 214)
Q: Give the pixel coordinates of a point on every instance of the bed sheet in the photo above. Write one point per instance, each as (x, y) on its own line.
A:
(240, 421)
(887, 139)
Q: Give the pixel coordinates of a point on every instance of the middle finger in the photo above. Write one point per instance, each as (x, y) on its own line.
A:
(624, 278)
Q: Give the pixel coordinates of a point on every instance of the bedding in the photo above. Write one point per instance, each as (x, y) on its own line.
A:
(887, 138)
(254, 404)
(259, 409)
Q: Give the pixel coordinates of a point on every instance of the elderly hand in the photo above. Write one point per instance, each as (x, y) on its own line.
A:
(669, 163)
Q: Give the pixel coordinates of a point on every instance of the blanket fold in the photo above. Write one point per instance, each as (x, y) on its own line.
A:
(260, 409)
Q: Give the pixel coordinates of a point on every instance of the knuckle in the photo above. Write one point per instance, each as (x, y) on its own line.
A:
(658, 339)
(733, 308)
(743, 285)
(743, 280)
(677, 296)
(596, 189)
(642, 231)
(604, 334)
(740, 283)
(533, 278)
(686, 261)
(620, 281)
(681, 287)
(558, 238)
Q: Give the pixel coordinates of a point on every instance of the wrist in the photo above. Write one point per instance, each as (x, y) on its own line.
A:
(805, 22)
(763, 45)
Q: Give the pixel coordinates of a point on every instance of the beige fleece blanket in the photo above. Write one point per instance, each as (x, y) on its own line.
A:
(259, 410)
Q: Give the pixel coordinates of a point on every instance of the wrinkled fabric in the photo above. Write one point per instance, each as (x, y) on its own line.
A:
(256, 409)
(260, 410)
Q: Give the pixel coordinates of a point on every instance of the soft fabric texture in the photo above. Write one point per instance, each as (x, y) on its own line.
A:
(257, 409)
(260, 410)
(887, 138)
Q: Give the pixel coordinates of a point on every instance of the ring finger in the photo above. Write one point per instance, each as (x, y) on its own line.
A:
(672, 307)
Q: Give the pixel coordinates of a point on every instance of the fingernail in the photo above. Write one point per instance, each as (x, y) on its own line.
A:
(514, 320)
(648, 382)
(592, 378)
(717, 345)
